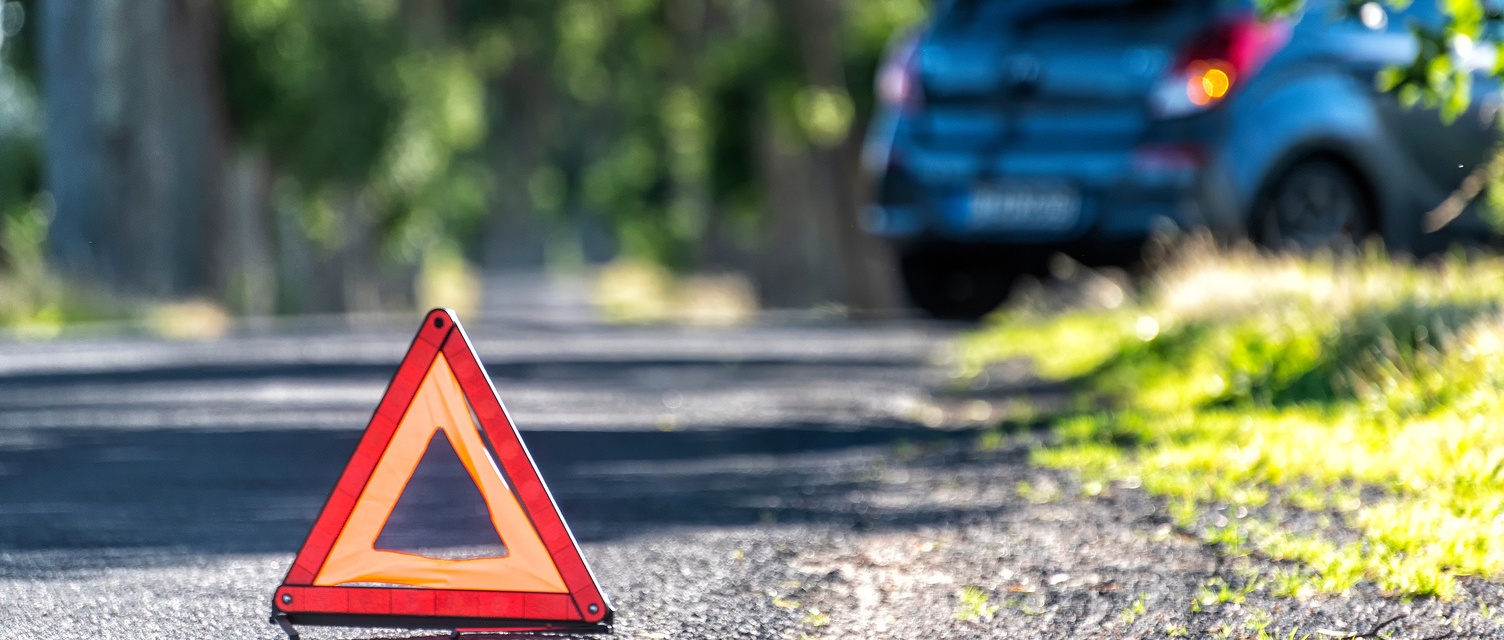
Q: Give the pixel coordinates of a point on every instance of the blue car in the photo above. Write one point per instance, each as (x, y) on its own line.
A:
(1011, 130)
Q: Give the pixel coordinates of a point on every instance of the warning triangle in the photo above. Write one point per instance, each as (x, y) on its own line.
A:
(441, 395)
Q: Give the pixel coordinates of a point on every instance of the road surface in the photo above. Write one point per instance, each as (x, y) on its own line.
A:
(792, 478)
(154, 488)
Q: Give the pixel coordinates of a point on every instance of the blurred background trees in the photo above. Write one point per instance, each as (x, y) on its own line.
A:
(280, 156)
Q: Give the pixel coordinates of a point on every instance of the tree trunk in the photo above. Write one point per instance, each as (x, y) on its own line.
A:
(136, 143)
(815, 193)
(516, 236)
(248, 243)
(795, 267)
(73, 150)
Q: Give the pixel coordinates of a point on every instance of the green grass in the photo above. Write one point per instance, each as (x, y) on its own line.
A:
(35, 302)
(1133, 611)
(815, 618)
(1284, 386)
(973, 605)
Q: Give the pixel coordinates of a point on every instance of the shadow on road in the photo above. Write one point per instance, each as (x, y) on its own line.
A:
(510, 369)
(258, 491)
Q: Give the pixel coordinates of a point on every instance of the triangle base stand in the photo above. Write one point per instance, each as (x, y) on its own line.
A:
(455, 626)
(280, 619)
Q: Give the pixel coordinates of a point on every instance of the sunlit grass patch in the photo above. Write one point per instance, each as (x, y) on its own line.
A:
(637, 292)
(973, 604)
(1363, 391)
(1061, 347)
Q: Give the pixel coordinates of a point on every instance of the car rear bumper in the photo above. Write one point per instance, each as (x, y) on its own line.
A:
(1124, 207)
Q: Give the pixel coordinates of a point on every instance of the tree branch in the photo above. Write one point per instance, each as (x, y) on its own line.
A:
(1471, 187)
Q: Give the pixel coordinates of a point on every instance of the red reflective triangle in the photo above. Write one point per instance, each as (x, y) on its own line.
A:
(339, 577)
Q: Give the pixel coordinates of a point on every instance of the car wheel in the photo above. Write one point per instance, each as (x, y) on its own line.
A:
(955, 287)
(1316, 204)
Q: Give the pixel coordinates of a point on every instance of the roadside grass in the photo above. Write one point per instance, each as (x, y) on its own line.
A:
(635, 292)
(973, 604)
(1133, 611)
(35, 302)
(1339, 414)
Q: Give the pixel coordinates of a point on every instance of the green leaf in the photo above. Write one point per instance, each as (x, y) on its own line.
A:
(1389, 78)
(1457, 97)
(1268, 9)
(1466, 15)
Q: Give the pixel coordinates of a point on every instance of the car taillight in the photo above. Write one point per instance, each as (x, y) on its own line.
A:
(1216, 62)
(898, 79)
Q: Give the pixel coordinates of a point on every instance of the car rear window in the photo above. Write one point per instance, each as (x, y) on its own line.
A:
(961, 14)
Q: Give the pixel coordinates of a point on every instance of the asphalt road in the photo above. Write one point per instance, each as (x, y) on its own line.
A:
(159, 489)
(794, 478)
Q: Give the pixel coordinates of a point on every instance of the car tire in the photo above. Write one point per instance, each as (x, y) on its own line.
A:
(1315, 204)
(952, 287)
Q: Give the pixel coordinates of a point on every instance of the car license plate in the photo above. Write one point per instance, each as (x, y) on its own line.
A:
(1024, 206)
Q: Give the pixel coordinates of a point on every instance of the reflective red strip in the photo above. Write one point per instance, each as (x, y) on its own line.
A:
(438, 603)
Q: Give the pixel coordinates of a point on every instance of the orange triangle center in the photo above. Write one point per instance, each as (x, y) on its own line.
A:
(439, 406)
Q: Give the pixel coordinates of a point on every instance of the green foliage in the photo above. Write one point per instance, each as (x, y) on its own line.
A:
(1037, 495)
(1302, 383)
(1258, 621)
(20, 116)
(1133, 611)
(312, 83)
(1061, 347)
(1217, 591)
(815, 618)
(21, 50)
(973, 605)
(357, 102)
(34, 302)
(642, 113)
(20, 165)
(1440, 75)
